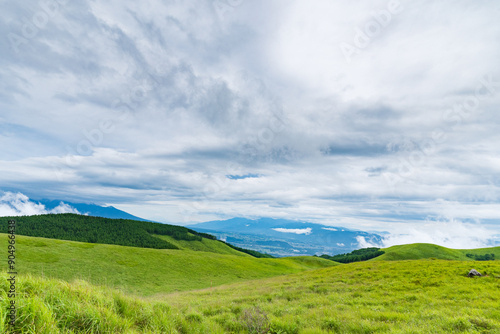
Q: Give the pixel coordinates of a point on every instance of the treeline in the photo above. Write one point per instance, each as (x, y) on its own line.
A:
(123, 232)
(249, 251)
(355, 256)
(485, 257)
(90, 229)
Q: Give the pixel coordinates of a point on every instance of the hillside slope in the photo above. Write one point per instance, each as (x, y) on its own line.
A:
(425, 251)
(146, 271)
(122, 232)
(422, 296)
(369, 297)
(203, 245)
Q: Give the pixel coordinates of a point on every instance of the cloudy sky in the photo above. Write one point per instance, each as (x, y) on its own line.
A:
(376, 115)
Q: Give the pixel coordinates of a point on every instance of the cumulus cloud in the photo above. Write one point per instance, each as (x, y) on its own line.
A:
(305, 231)
(17, 204)
(452, 234)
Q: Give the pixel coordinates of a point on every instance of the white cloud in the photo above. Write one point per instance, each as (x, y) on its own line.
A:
(12, 204)
(64, 208)
(452, 234)
(363, 243)
(305, 231)
(329, 228)
(193, 96)
(17, 204)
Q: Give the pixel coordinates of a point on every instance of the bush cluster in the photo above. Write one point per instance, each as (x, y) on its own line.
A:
(355, 256)
(485, 257)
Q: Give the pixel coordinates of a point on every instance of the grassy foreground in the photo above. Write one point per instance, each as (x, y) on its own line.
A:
(146, 271)
(423, 296)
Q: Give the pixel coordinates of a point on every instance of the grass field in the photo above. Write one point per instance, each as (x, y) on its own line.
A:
(146, 271)
(426, 251)
(423, 296)
(419, 296)
(205, 245)
(73, 287)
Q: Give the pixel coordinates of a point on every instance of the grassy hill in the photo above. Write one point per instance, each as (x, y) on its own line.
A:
(203, 245)
(422, 296)
(147, 271)
(426, 251)
(122, 232)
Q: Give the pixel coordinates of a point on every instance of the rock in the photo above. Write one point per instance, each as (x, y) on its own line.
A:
(473, 273)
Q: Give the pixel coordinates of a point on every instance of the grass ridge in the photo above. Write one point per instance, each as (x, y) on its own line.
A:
(419, 251)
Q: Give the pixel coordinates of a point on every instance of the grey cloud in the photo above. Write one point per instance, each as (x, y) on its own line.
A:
(190, 92)
(355, 150)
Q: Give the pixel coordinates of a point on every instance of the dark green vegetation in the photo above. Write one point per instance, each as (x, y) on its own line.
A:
(98, 230)
(146, 271)
(423, 296)
(484, 257)
(122, 232)
(355, 256)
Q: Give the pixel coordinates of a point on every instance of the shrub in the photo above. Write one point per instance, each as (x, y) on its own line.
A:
(356, 255)
(255, 320)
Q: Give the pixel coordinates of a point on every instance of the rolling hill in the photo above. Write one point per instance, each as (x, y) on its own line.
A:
(425, 251)
(122, 232)
(147, 271)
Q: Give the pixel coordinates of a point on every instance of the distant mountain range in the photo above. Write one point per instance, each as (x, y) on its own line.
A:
(281, 237)
(277, 237)
(92, 209)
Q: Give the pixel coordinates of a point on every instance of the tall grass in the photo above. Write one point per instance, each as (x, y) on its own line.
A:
(421, 296)
(49, 306)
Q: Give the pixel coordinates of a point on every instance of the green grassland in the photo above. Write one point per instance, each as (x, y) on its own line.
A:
(415, 296)
(203, 245)
(146, 271)
(424, 296)
(205, 286)
(426, 251)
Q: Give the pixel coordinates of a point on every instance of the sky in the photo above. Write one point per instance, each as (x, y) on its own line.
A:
(373, 115)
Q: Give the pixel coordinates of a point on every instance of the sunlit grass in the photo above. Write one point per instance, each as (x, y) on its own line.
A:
(422, 296)
(71, 287)
(425, 251)
(146, 271)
